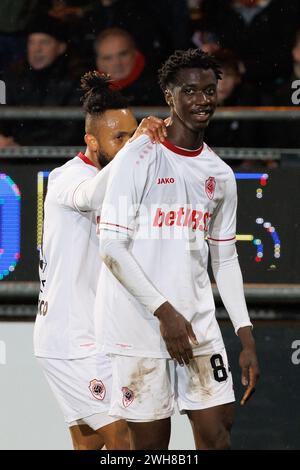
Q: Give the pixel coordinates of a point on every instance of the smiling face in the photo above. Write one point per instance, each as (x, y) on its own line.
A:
(193, 99)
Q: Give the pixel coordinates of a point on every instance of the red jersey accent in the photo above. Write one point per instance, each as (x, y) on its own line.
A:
(210, 186)
(115, 225)
(180, 151)
(85, 159)
(138, 67)
(221, 240)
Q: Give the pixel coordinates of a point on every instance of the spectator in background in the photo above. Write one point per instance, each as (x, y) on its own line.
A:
(260, 32)
(14, 19)
(206, 40)
(157, 26)
(202, 37)
(44, 79)
(233, 91)
(68, 10)
(71, 14)
(117, 56)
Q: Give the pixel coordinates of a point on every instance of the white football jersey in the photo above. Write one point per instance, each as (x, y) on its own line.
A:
(69, 268)
(168, 200)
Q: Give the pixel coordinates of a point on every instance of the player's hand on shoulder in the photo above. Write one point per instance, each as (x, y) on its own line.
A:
(177, 333)
(153, 127)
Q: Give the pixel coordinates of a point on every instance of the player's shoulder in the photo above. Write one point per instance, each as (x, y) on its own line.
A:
(70, 169)
(221, 166)
(140, 150)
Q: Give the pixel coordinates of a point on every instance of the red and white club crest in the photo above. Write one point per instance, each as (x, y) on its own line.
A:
(128, 396)
(210, 186)
(97, 389)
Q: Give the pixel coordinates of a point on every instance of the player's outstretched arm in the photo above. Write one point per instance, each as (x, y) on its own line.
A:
(89, 195)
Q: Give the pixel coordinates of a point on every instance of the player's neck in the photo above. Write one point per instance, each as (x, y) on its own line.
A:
(183, 137)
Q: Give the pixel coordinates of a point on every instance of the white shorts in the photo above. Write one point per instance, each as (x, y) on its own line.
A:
(146, 389)
(82, 388)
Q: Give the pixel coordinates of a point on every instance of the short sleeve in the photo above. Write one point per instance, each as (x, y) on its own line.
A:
(222, 227)
(126, 187)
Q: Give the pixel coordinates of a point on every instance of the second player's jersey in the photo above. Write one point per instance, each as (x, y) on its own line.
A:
(167, 200)
(69, 268)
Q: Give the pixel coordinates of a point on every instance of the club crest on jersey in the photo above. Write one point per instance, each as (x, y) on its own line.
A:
(210, 186)
(97, 389)
(128, 396)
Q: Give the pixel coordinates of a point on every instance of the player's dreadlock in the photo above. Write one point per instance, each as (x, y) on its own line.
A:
(191, 58)
(98, 97)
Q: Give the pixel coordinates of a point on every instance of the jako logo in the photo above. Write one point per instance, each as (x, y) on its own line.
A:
(165, 180)
(197, 220)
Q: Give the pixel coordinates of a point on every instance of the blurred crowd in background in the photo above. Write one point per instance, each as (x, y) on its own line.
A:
(45, 47)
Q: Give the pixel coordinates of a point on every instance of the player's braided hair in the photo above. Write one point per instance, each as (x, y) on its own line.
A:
(98, 97)
(191, 58)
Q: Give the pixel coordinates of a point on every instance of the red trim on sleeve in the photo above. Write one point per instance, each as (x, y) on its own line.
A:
(116, 225)
(85, 159)
(223, 240)
(180, 151)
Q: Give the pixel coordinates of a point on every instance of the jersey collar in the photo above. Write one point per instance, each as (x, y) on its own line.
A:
(85, 159)
(181, 151)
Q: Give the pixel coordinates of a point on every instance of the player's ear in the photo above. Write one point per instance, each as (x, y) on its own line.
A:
(91, 142)
(169, 98)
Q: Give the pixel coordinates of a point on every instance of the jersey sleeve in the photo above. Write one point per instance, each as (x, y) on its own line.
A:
(129, 177)
(222, 227)
(64, 186)
(89, 195)
(228, 276)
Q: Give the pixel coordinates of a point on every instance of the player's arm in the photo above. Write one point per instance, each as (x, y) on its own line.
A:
(79, 190)
(89, 195)
(175, 329)
(229, 281)
(228, 276)
(127, 184)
